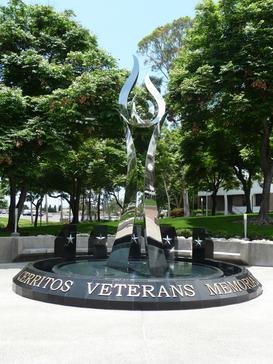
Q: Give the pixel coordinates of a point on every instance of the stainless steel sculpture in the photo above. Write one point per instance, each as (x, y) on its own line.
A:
(125, 238)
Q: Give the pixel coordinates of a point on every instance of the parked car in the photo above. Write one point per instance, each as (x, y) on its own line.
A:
(26, 213)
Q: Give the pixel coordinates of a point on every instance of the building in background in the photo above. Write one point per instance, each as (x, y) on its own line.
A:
(233, 201)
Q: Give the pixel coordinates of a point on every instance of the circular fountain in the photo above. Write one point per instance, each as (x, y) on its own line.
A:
(129, 279)
(91, 282)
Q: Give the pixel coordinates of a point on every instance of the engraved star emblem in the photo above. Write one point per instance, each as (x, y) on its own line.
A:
(168, 240)
(69, 239)
(198, 242)
(134, 238)
(100, 237)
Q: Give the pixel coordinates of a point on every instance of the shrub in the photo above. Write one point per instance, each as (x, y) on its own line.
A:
(184, 232)
(178, 212)
(198, 212)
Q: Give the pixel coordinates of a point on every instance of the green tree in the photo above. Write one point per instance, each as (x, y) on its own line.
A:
(107, 171)
(206, 167)
(162, 46)
(215, 158)
(42, 54)
(244, 160)
(170, 181)
(13, 108)
(83, 114)
(224, 75)
(3, 201)
(98, 165)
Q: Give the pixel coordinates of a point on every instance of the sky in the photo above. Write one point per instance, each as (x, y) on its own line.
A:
(120, 24)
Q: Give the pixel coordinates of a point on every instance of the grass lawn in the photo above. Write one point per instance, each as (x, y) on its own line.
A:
(217, 226)
(221, 226)
(26, 229)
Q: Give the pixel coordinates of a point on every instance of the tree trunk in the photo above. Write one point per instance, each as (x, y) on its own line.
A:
(98, 207)
(247, 188)
(193, 201)
(37, 206)
(75, 206)
(267, 169)
(186, 202)
(213, 207)
(264, 209)
(83, 207)
(11, 220)
(89, 207)
(22, 198)
(180, 199)
(168, 197)
(116, 199)
(31, 209)
(36, 215)
(246, 184)
(247, 197)
(46, 208)
(108, 206)
(214, 189)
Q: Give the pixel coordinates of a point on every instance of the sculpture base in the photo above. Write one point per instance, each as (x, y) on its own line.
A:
(87, 282)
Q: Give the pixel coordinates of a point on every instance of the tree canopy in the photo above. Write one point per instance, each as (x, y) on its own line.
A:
(162, 45)
(57, 89)
(224, 76)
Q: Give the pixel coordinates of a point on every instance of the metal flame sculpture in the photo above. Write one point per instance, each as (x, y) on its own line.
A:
(125, 237)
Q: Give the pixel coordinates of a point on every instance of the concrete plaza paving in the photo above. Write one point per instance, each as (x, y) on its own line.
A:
(37, 332)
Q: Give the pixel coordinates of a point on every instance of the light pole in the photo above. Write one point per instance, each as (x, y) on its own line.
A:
(245, 226)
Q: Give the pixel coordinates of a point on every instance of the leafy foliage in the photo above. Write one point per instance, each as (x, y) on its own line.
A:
(162, 46)
(222, 79)
(170, 180)
(57, 89)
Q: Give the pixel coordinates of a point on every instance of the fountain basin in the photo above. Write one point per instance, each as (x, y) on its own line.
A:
(87, 282)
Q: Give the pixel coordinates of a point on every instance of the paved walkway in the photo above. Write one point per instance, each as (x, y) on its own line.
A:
(36, 332)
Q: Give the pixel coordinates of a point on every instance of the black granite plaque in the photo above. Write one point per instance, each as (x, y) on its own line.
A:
(65, 242)
(97, 243)
(169, 238)
(202, 245)
(136, 240)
